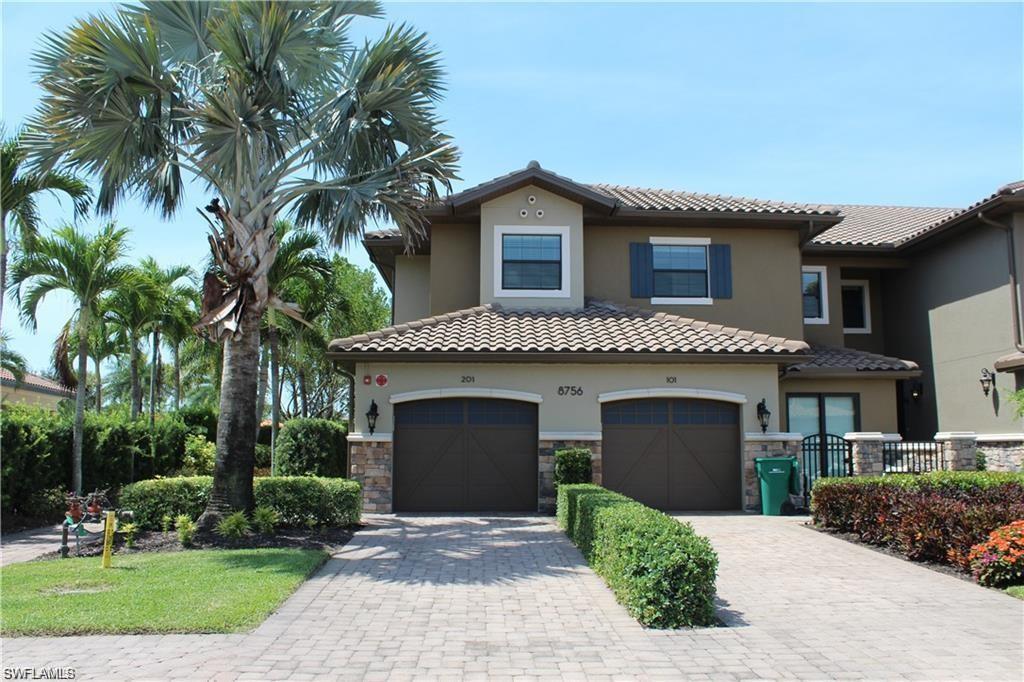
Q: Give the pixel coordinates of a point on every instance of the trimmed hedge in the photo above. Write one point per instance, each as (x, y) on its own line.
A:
(658, 568)
(936, 516)
(300, 501)
(311, 447)
(572, 465)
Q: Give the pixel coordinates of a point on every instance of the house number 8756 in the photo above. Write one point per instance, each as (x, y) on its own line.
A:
(570, 390)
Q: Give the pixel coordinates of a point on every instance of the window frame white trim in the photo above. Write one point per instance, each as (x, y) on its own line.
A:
(434, 393)
(686, 241)
(563, 231)
(866, 294)
(822, 271)
(699, 393)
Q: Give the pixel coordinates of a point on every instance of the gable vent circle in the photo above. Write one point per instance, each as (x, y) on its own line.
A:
(523, 213)
(540, 213)
(531, 199)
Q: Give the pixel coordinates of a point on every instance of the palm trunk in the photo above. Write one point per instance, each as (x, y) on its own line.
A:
(303, 396)
(261, 392)
(99, 385)
(236, 432)
(3, 263)
(153, 369)
(275, 397)
(133, 370)
(79, 428)
(175, 352)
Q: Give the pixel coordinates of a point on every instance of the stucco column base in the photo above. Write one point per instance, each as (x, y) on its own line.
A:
(546, 468)
(866, 452)
(958, 450)
(371, 464)
(764, 445)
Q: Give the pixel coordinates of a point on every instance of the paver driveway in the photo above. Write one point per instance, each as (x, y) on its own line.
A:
(504, 597)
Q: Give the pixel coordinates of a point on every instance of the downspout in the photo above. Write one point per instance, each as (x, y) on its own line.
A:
(1015, 314)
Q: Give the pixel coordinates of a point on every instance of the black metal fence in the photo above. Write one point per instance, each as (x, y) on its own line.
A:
(910, 457)
(824, 455)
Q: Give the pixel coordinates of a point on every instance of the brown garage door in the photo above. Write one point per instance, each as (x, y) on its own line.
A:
(465, 455)
(673, 454)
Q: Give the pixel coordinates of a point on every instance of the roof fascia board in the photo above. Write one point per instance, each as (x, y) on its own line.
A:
(567, 356)
(530, 176)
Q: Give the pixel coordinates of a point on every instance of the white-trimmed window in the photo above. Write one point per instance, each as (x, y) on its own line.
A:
(856, 306)
(680, 271)
(814, 289)
(531, 261)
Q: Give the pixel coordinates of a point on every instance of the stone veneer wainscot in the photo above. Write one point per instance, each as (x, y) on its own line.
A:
(546, 466)
(371, 464)
(764, 445)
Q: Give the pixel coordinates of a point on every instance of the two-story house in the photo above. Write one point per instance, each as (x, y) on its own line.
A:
(672, 333)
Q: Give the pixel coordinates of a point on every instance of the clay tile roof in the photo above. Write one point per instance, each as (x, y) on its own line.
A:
(676, 200)
(598, 327)
(881, 225)
(832, 359)
(34, 382)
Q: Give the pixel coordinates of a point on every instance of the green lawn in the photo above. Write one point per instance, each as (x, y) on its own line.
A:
(1016, 591)
(192, 591)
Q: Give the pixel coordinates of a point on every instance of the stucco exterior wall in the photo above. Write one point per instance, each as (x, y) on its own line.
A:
(950, 312)
(412, 288)
(877, 399)
(557, 212)
(23, 396)
(454, 267)
(562, 414)
(765, 274)
(875, 341)
(830, 334)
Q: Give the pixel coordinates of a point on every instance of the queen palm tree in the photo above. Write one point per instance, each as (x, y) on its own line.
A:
(171, 293)
(18, 191)
(274, 108)
(86, 268)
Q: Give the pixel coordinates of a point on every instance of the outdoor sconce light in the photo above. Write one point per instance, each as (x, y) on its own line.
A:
(916, 390)
(763, 415)
(371, 416)
(988, 378)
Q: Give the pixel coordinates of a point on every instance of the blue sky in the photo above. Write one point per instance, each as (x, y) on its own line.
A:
(915, 104)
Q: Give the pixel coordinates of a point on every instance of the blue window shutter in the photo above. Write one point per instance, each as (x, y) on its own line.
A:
(720, 262)
(641, 270)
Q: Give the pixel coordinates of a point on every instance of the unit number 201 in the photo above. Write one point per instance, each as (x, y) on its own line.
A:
(570, 390)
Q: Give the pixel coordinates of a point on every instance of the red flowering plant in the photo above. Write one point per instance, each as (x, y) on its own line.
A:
(999, 561)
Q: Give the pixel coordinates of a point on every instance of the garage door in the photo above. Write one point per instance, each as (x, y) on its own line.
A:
(673, 454)
(465, 455)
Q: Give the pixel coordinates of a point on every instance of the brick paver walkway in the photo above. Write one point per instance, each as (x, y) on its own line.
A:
(507, 597)
(28, 544)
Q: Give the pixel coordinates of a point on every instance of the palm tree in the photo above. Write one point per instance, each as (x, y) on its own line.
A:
(131, 309)
(85, 267)
(11, 360)
(178, 326)
(18, 190)
(102, 343)
(170, 301)
(272, 107)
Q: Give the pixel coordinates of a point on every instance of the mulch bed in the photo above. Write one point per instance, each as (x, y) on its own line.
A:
(329, 539)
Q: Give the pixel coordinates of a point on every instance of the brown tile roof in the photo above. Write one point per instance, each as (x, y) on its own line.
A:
(34, 382)
(881, 225)
(599, 327)
(676, 200)
(831, 359)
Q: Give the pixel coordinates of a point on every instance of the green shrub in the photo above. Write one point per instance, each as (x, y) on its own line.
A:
(130, 530)
(32, 457)
(262, 456)
(168, 444)
(298, 500)
(201, 420)
(264, 519)
(572, 465)
(200, 455)
(165, 524)
(48, 503)
(186, 528)
(658, 568)
(233, 526)
(937, 516)
(311, 447)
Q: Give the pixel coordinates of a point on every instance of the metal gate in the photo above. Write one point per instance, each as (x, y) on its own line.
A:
(824, 455)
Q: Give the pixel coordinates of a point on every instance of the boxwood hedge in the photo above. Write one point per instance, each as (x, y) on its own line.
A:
(658, 568)
(300, 501)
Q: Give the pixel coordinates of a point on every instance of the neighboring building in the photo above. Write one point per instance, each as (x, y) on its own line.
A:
(649, 324)
(32, 390)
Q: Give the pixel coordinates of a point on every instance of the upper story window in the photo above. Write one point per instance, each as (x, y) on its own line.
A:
(856, 306)
(814, 283)
(531, 261)
(680, 271)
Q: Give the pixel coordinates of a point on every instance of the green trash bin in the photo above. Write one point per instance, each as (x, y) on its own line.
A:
(778, 476)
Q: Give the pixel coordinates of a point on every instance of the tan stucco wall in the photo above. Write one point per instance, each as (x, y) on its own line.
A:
(412, 288)
(875, 341)
(563, 413)
(950, 312)
(765, 275)
(877, 399)
(558, 212)
(830, 334)
(25, 397)
(454, 267)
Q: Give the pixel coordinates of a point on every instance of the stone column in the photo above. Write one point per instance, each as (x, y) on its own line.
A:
(546, 467)
(370, 463)
(958, 450)
(1002, 451)
(867, 451)
(772, 444)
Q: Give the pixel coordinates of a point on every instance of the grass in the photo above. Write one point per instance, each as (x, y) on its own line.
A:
(191, 591)
(1016, 591)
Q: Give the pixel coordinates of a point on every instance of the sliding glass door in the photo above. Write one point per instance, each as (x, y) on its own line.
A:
(826, 417)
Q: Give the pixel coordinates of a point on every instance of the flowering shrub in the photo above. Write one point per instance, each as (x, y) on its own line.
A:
(999, 561)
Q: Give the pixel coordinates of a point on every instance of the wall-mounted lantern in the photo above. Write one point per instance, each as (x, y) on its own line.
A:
(763, 415)
(988, 377)
(371, 416)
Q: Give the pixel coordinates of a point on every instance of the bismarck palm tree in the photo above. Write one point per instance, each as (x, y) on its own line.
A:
(85, 267)
(272, 106)
(171, 297)
(18, 191)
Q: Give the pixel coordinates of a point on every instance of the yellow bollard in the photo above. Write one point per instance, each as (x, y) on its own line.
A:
(108, 538)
